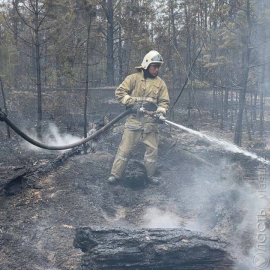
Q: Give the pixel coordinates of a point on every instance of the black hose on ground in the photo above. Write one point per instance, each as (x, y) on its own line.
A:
(4, 118)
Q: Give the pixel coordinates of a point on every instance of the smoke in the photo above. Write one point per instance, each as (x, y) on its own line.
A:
(156, 218)
(222, 202)
(228, 204)
(51, 136)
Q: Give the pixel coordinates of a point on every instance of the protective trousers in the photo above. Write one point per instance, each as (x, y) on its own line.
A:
(129, 140)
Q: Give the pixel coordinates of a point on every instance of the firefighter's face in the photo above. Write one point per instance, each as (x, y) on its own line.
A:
(153, 69)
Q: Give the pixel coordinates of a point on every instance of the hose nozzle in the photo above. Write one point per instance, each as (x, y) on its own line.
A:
(158, 116)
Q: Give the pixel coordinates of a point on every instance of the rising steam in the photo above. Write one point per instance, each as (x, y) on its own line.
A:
(156, 218)
(51, 137)
(219, 202)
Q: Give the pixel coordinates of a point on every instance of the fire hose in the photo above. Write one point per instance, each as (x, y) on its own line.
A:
(4, 118)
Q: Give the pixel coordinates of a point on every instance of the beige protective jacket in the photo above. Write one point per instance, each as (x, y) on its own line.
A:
(136, 88)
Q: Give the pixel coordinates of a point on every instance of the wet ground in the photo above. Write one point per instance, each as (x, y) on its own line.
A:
(202, 188)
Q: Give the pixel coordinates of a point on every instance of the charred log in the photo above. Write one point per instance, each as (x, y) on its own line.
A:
(15, 179)
(119, 249)
(9, 175)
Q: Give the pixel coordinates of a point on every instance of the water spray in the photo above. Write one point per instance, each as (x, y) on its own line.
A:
(224, 144)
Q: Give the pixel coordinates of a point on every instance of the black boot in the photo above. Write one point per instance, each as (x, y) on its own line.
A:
(112, 180)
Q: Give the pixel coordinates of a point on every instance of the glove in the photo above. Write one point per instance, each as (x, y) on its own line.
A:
(160, 117)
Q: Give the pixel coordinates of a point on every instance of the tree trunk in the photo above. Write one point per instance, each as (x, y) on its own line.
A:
(242, 99)
(232, 109)
(86, 85)
(38, 69)
(120, 56)
(188, 52)
(226, 101)
(173, 23)
(15, 35)
(58, 71)
(262, 87)
(255, 107)
(155, 249)
(251, 114)
(110, 59)
(5, 106)
(248, 125)
(214, 103)
(261, 111)
(221, 110)
(189, 102)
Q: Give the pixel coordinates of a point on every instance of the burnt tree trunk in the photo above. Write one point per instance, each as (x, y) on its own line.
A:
(109, 13)
(15, 35)
(222, 110)
(5, 105)
(38, 67)
(232, 109)
(262, 85)
(153, 249)
(242, 97)
(226, 104)
(120, 55)
(15, 179)
(255, 107)
(85, 129)
(214, 104)
(248, 125)
(261, 112)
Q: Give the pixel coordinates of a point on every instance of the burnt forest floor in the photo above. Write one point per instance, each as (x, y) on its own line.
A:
(202, 188)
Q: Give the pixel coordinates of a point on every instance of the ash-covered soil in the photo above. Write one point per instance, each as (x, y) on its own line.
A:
(202, 188)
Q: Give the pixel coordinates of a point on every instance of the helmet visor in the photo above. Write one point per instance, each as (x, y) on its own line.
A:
(157, 58)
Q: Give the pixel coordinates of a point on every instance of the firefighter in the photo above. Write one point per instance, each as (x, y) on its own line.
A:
(143, 88)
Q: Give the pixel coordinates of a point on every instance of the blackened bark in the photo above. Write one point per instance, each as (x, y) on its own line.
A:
(226, 101)
(261, 112)
(110, 59)
(154, 249)
(242, 98)
(15, 179)
(232, 109)
(15, 35)
(172, 3)
(5, 105)
(221, 110)
(255, 106)
(262, 87)
(120, 56)
(248, 125)
(86, 85)
(38, 68)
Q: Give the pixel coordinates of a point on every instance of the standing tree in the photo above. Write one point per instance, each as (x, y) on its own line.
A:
(246, 65)
(39, 27)
(108, 9)
(87, 9)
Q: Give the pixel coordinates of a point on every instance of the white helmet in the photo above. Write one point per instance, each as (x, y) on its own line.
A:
(153, 57)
